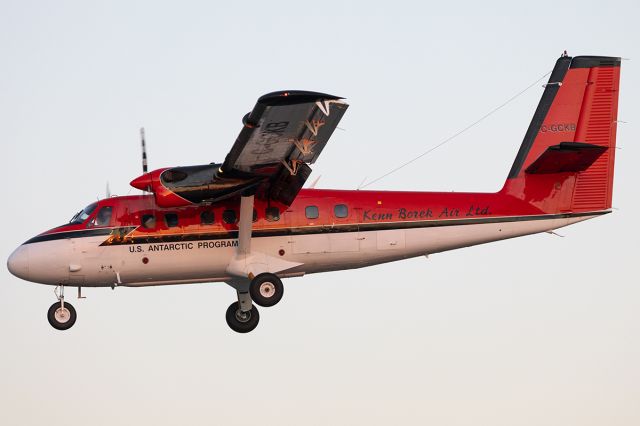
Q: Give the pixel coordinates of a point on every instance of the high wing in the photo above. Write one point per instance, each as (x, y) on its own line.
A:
(284, 133)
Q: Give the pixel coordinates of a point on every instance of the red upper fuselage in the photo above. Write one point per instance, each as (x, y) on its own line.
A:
(334, 208)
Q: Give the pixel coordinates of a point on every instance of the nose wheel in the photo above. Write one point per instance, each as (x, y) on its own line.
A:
(61, 315)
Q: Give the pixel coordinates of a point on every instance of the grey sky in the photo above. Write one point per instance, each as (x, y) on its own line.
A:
(538, 330)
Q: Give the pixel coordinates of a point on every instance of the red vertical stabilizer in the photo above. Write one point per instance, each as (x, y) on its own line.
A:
(565, 162)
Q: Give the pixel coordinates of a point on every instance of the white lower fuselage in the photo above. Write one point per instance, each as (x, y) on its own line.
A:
(85, 262)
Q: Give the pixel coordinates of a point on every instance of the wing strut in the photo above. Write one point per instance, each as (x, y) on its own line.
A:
(238, 265)
(245, 226)
(246, 263)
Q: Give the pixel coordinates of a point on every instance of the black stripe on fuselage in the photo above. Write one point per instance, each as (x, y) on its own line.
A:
(117, 236)
(82, 233)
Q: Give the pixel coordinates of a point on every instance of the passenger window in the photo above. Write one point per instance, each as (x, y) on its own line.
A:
(255, 215)
(311, 212)
(229, 216)
(341, 210)
(103, 218)
(171, 220)
(148, 221)
(272, 214)
(207, 217)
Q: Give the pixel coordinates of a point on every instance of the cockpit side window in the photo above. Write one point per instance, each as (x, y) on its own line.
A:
(103, 218)
(83, 214)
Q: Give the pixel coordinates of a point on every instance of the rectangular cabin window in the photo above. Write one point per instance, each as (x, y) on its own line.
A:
(229, 216)
(148, 221)
(255, 215)
(311, 212)
(171, 220)
(207, 217)
(341, 210)
(103, 218)
(272, 214)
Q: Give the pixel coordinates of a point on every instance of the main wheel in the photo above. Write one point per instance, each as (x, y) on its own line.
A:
(62, 318)
(242, 322)
(266, 289)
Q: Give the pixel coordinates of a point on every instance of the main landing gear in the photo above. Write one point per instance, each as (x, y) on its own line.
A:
(61, 315)
(242, 321)
(264, 290)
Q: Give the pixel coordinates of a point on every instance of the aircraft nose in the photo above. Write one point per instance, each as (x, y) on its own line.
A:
(18, 262)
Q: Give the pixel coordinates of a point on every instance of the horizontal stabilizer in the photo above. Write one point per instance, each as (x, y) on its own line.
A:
(567, 157)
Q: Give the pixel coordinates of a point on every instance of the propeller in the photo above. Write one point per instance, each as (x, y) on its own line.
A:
(144, 158)
(144, 150)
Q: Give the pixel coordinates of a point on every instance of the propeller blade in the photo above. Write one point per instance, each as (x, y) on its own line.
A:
(144, 151)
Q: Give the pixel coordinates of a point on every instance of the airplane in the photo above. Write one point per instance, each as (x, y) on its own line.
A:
(249, 222)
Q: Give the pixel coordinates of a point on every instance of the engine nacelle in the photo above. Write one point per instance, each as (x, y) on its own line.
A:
(183, 186)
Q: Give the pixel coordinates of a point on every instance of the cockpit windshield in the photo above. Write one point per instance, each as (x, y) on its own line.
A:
(83, 214)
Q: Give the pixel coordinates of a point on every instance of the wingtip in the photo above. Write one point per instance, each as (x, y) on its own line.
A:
(283, 97)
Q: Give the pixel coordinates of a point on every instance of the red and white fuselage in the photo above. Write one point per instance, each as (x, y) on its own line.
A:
(378, 227)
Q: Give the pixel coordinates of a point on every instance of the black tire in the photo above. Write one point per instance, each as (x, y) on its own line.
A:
(237, 323)
(65, 319)
(266, 289)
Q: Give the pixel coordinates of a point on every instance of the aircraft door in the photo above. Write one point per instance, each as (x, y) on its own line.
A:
(307, 232)
(366, 239)
(96, 259)
(343, 230)
(283, 222)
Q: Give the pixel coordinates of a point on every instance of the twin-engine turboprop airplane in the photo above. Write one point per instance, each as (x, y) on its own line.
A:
(248, 222)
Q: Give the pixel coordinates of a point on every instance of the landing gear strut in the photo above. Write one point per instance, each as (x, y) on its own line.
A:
(242, 316)
(252, 286)
(61, 315)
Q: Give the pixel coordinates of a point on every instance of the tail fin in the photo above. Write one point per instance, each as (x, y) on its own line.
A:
(565, 162)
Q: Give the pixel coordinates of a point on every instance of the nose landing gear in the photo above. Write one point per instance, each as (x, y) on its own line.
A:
(61, 315)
